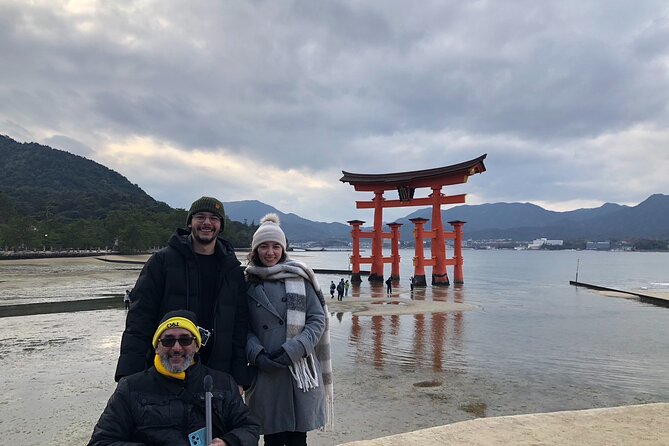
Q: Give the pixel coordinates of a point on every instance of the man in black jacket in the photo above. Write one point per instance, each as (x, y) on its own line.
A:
(165, 405)
(197, 271)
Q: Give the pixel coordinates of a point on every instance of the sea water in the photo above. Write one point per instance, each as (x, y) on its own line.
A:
(533, 342)
(532, 325)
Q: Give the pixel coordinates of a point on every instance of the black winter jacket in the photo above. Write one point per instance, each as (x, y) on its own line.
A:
(169, 281)
(151, 409)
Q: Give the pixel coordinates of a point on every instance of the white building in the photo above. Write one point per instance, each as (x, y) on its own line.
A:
(538, 243)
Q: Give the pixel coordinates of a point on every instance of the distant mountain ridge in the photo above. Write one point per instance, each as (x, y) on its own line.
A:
(514, 221)
(296, 228)
(527, 221)
(39, 180)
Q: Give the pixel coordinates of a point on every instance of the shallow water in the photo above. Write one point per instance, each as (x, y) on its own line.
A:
(532, 324)
(534, 344)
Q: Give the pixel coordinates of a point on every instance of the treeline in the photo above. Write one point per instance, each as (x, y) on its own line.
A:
(126, 232)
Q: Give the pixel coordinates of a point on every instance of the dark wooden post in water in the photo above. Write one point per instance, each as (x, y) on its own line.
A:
(406, 184)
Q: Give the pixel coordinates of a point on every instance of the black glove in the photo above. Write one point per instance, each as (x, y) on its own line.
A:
(263, 362)
(281, 357)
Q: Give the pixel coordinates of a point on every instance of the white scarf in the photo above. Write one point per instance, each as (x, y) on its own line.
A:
(295, 274)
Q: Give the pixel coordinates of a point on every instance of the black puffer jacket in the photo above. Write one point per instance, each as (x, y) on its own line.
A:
(151, 409)
(169, 281)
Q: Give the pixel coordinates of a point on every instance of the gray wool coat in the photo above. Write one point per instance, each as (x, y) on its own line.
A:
(274, 396)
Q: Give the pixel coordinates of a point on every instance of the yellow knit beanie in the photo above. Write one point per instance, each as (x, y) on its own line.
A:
(178, 319)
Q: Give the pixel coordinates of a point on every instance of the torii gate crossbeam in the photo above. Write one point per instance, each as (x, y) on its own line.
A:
(406, 184)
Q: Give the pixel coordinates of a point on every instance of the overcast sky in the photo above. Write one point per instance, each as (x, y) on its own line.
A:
(271, 100)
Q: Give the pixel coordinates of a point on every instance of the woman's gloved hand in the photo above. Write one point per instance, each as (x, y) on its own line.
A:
(281, 357)
(264, 362)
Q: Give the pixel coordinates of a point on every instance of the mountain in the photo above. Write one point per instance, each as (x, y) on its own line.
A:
(526, 221)
(297, 229)
(39, 180)
(514, 221)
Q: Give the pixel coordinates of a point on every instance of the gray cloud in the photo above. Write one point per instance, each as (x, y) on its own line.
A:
(367, 87)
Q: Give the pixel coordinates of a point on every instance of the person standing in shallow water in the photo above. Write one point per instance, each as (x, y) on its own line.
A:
(389, 285)
(340, 290)
(289, 343)
(126, 299)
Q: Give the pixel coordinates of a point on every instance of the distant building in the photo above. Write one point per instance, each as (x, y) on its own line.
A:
(538, 243)
(598, 246)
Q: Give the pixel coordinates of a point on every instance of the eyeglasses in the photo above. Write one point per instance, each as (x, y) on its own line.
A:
(202, 217)
(169, 342)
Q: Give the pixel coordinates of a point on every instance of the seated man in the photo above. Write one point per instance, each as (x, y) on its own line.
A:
(165, 405)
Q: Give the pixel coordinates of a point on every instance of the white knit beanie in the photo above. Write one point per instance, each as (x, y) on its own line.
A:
(269, 231)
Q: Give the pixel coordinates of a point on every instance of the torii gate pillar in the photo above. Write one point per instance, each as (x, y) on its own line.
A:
(458, 278)
(419, 252)
(439, 274)
(395, 250)
(376, 272)
(355, 257)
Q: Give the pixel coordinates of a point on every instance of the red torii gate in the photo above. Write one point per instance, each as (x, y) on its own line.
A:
(406, 184)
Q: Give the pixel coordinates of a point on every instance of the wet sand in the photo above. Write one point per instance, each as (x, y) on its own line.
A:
(394, 306)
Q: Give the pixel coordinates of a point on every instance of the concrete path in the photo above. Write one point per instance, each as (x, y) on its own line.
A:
(640, 425)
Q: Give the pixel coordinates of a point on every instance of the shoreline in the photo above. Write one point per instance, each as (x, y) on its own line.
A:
(31, 255)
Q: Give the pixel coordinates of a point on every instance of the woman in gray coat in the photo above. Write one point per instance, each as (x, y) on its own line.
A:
(289, 342)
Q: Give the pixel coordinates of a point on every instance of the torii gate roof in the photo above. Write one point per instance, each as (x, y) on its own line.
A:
(453, 174)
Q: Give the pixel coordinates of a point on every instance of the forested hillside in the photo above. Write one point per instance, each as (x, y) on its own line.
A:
(40, 180)
(53, 200)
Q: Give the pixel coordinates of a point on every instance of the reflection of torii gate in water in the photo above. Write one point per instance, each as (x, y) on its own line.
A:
(406, 183)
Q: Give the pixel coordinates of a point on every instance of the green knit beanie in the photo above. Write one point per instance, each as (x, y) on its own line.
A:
(206, 204)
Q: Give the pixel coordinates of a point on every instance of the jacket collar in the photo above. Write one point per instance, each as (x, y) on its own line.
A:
(224, 252)
(258, 294)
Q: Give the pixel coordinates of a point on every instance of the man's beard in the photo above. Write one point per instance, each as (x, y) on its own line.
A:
(165, 361)
(203, 241)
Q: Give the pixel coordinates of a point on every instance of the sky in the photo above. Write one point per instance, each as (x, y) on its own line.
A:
(272, 100)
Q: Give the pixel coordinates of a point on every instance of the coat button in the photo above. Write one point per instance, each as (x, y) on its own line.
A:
(280, 322)
(265, 327)
(284, 299)
(258, 305)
